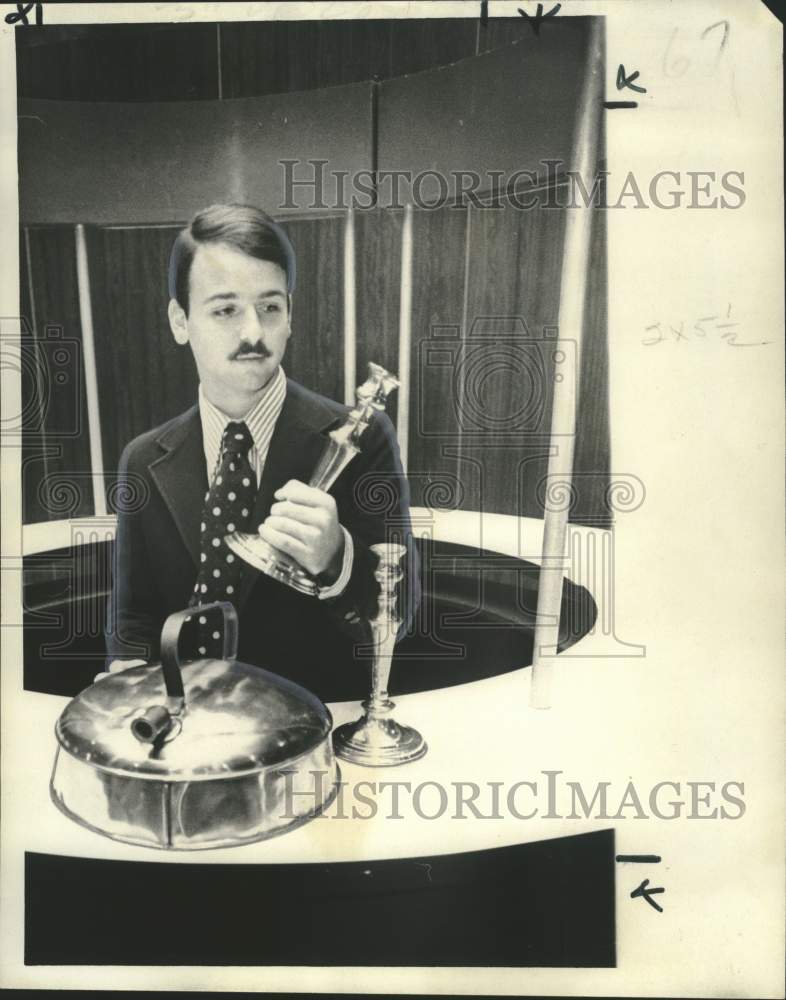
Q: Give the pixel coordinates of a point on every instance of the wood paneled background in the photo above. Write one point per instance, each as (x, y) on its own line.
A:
(147, 62)
(485, 282)
(144, 378)
(56, 480)
(167, 62)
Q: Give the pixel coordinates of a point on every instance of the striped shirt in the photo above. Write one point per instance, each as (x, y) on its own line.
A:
(261, 422)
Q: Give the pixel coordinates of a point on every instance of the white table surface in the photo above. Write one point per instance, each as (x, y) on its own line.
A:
(674, 714)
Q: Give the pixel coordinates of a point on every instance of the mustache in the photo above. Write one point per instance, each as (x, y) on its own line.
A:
(245, 349)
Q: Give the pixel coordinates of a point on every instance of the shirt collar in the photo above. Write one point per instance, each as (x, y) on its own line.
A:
(260, 419)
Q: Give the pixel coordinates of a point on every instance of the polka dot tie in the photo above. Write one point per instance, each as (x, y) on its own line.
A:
(228, 506)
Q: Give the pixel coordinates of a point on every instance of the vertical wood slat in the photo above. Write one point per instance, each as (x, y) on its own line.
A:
(438, 293)
(219, 71)
(573, 288)
(32, 402)
(26, 283)
(591, 461)
(378, 273)
(90, 372)
(32, 511)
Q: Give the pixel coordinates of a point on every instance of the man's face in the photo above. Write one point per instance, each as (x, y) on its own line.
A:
(237, 324)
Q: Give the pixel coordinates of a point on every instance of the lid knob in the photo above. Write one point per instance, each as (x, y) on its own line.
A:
(154, 724)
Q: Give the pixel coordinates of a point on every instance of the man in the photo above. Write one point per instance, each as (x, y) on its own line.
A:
(240, 459)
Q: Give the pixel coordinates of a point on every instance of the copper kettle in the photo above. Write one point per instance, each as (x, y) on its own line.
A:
(207, 753)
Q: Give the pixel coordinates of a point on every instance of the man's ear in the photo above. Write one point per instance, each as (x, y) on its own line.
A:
(178, 321)
(289, 311)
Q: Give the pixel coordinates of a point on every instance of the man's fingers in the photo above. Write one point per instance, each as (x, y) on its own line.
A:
(287, 543)
(317, 517)
(305, 533)
(308, 495)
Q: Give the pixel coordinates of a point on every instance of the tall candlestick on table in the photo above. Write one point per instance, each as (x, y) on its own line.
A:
(376, 739)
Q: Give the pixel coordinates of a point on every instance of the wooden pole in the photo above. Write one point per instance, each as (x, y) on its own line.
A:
(405, 336)
(567, 367)
(91, 372)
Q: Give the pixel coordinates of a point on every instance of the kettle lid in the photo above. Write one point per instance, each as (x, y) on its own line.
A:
(236, 719)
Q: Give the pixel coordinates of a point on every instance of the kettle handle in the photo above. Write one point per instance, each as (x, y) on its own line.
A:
(170, 633)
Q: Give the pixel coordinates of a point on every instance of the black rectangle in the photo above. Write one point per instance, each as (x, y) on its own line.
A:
(549, 903)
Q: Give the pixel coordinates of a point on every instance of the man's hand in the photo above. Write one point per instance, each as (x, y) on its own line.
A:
(117, 665)
(304, 523)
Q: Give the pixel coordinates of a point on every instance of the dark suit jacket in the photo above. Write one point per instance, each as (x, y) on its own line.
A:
(314, 642)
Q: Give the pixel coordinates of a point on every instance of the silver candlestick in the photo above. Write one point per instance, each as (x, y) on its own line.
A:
(376, 739)
(342, 446)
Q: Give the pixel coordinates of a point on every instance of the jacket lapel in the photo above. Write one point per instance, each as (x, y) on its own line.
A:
(295, 448)
(181, 476)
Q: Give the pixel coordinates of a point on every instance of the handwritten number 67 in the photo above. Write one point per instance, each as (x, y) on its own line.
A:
(678, 65)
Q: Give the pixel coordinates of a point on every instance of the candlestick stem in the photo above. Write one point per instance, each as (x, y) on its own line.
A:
(376, 739)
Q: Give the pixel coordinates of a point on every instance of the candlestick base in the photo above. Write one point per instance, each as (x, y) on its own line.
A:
(376, 740)
(270, 560)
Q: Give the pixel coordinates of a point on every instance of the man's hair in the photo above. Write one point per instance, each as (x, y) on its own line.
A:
(244, 227)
